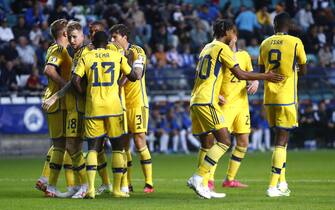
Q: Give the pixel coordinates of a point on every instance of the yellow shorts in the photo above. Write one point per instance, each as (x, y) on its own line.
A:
(112, 127)
(74, 124)
(137, 119)
(237, 119)
(56, 124)
(282, 116)
(206, 118)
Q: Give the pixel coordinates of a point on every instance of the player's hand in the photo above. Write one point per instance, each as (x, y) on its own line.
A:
(274, 77)
(222, 100)
(253, 87)
(49, 102)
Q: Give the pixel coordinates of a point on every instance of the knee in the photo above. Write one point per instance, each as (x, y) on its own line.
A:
(140, 140)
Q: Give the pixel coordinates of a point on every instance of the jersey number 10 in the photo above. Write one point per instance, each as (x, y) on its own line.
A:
(110, 71)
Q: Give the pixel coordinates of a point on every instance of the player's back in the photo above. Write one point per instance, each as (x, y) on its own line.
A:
(135, 92)
(234, 90)
(102, 69)
(58, 57)
(280, 53)
(213, 58)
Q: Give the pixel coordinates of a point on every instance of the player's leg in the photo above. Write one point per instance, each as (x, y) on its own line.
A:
(206, 141)
(235, 161)
(68, 171)
(56, 123)
(103, 172)
(42, 182)
(115, 127)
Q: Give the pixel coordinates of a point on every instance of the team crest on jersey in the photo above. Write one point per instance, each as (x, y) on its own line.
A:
(53, 59)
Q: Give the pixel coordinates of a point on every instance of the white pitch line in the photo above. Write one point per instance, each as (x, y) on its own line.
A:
(184, 180)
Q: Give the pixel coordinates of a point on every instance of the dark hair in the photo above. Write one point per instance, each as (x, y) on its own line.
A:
(282, 20)
(57, 27)
(120, 29)
(221, 26)
(100, 39)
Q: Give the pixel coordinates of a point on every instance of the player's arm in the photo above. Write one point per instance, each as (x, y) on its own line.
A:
(59, 94)
(302, 69)
(51, 72)
(132, 74)
(301, 59)
(243, 75)
(77, 75)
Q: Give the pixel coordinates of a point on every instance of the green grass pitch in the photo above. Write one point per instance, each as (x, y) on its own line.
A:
(310, 176)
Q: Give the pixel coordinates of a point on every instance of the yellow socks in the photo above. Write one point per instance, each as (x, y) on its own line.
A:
(102, 168)
(79, 167)
(282, 177)
(278, 158)
(201, 155)
(212, 157)
(56, 162)
(91, 169)
(235, 162)
(146, 163)
(46, 167)
(124, 181)
(129, 165)
(117, 167)
(67, 165)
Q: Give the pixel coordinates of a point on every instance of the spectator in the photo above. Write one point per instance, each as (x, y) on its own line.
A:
(183, 33)
(58, 13)
(45, 31)
(6, 32)
(305, 17)
(26, 55)
(307, 124)
(8, 77)
(253, 50)
(331, 126)
(41, 53)
(33, 15)
(325, 56)
(227, 12)
(321, 36)
(279, 8)
(187, 59)
(21, 28)
(160, 36)
(159, 58)
(10, 53)
(199, 36)
(173, 58)
(174, 128)
(264, 20)
(208, 13)
(177, 15)
(35, 35)
(247, 24)
(33, 82)
(143, 30)
(261, 131)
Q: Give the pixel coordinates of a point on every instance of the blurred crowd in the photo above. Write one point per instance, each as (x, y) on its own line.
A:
(172, 34)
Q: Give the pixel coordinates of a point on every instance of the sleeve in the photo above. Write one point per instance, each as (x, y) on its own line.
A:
(55, 58)
(80, 68)
(227, 58)
(301, 55)
(248, 61)
(125, 68)
(260, 59)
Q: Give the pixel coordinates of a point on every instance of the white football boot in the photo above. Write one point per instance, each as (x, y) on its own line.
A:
(195, 183)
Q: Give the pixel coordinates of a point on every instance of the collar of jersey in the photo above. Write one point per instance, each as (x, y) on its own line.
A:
(281, 33)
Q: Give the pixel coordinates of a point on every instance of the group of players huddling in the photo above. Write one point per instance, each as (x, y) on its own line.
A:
(94, 93)
(97, 92)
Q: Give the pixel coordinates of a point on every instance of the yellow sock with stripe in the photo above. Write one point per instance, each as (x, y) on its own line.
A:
(278, 157)
(282, 177)
(235, 162)
(146, 164)
(79, 167)
(201, 155)
(91, 170)
(124, 181)
(212, 157)
(102, 168)
(56, 162)
(68, 170)
(46, 168)
(129, 165)
(212, 172)
(117, 168)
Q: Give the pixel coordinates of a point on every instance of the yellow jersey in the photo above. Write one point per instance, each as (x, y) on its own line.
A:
(115, 47)
(281, 53)
(213, 60)
(58, 57)
(73, 100)
(135, 92)
(102, 68)
(232, 89)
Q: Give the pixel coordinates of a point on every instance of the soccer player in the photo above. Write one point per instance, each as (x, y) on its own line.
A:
(284, 53)
(137, 107)
(235, 110)
(103, 110)
(57, 69)
(214, 59)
